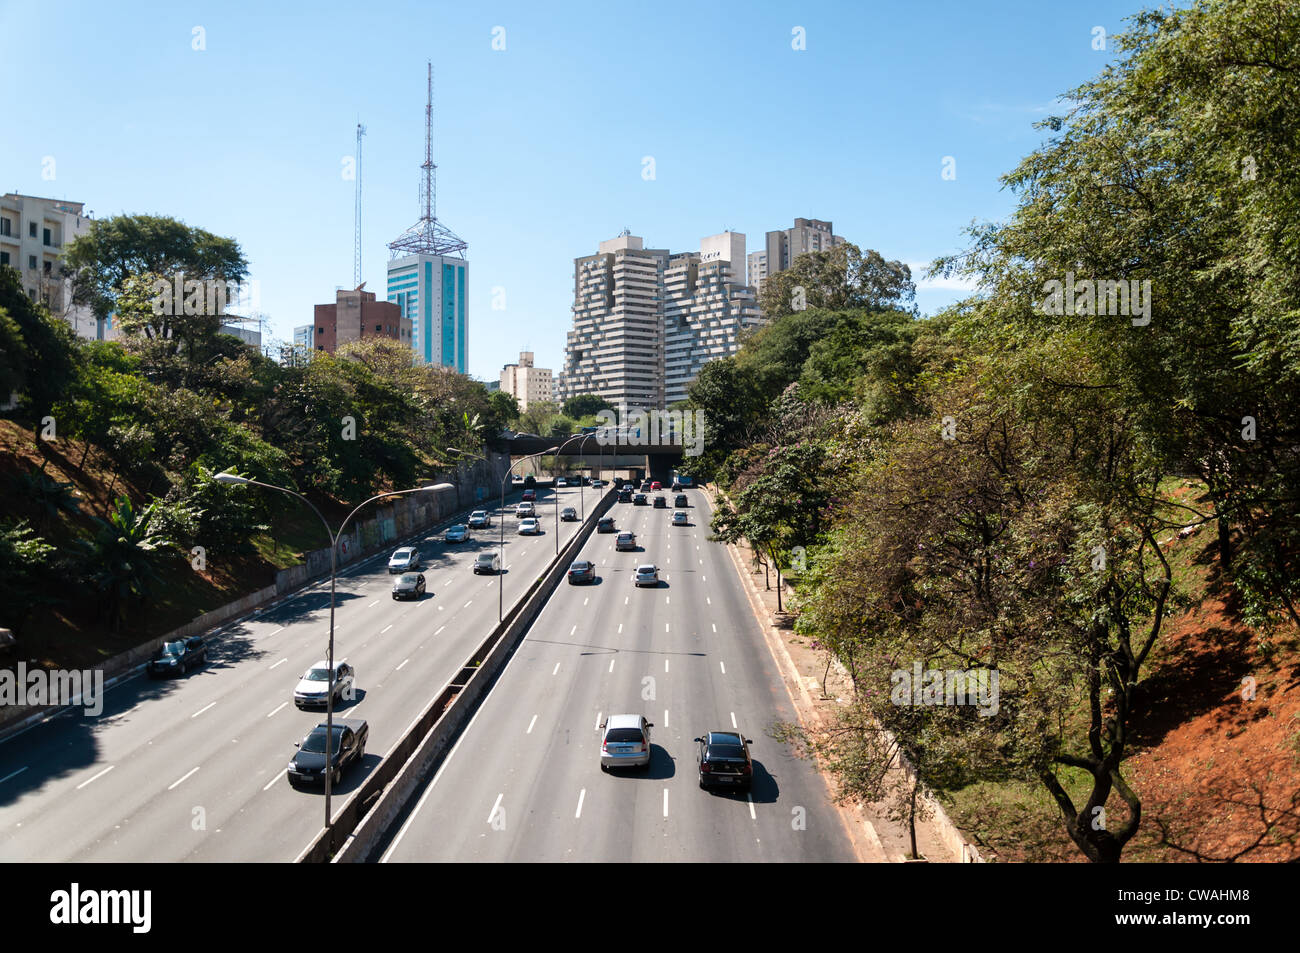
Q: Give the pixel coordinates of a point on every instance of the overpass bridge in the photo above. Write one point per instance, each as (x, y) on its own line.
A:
(598, 452)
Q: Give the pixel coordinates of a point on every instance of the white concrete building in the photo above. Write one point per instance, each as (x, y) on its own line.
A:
(781, 248)
(527, 384)
(707, 307)
(615, 348)
(34, 234)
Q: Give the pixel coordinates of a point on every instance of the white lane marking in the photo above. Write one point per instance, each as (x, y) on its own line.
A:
(665, 626)
(14, 774)
(399, 668)
(724, 667)
(386, 628)
(281, 662)
(556, 670)
(177, 783)
(733, 720)
(667, 599)
(708, 600)
(665, 717)
(578, 813)
(665, 665)
(439, 608)
(586, 600)
(573, 630)
(750, 799)
(373, 604)
(598, 714)
(620, 627)
(665, 802)
(96, 777)
(277, 710)
(269, 634)
(530, 725)
(701, 561)
(625, 598)
(439, 629)
(468, 604)
(203, 709)
(611, 664)
(495, 807)
(704, 579)
(271, 782)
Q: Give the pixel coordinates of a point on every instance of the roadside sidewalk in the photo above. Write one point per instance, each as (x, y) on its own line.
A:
(875, 837)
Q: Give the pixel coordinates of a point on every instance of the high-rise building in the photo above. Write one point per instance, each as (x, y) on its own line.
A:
(707, 306)
(428, 273)
(781, 248)
(355, 315)
(34, 234)
(525, 383)
(615, 348)
(303, 337)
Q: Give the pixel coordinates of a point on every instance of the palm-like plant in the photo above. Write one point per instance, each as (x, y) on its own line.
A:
(49, 496)
(121, 555)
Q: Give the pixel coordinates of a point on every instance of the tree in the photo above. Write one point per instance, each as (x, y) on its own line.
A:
(838, 279)
(584, 405)
(103, 260)
(120, 557)
(43, 363)
(26, 565)
(504, 408)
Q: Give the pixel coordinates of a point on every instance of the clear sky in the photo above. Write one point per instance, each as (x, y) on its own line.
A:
(541, 145)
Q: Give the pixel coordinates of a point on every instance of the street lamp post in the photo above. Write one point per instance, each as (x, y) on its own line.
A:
(232, 479)
(501, 570)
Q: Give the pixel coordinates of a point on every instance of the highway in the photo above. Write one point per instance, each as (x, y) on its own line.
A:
(193, 769)
(524, 782)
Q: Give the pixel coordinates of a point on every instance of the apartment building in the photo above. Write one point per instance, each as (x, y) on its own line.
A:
(525, 383)
(781, 248)
(355, 314)
(34, 234)
(615, 348)
(707, 307)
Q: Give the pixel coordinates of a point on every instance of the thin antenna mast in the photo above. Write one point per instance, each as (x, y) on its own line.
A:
(356, 225)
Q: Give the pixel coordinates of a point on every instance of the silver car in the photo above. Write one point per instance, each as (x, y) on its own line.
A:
(479, 520)
(314, 686)
(458, 533)
(647, 575)
(681, 519)
(405, 559)
(625, 742)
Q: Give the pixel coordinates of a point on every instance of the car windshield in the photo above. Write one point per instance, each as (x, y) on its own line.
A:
(410, 578)
(485, 559)
(580, 566)
(625, 735)
(320, 674)
(315, 742)
(173, 648)
(401, 554)
(645, 570)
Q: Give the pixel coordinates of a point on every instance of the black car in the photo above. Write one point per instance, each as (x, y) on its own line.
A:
(409, 585)
(639, 500)
(660, 503)
(723, 758)
(582, 570)
(605, 524)
(680, 501)
(625, 496)
(177, 658)
(347, 747)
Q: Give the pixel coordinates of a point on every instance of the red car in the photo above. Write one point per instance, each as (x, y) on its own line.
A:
(530, 496)
(655, 486)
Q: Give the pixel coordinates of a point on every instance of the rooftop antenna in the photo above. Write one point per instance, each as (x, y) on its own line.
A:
(428, 236)
(356, 216)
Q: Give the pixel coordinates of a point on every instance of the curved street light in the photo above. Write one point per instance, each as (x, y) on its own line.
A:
(231, 479)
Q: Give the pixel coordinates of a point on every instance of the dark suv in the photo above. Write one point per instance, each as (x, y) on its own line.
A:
(625, 496)
(723, 758)
(680, 501)
(660, 503)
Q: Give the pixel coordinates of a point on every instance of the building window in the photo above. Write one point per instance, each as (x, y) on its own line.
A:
(46, 236)
(6, 226)
(4, 258)
(31, 229)
(31, 293)
(31, 262)
(47, 266)
(320, 330)
(378, 328)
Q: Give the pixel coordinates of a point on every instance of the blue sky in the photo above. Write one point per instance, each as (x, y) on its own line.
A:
(539, 146)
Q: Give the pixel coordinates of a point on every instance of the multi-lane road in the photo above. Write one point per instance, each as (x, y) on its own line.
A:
(524, 782)
(194, 768)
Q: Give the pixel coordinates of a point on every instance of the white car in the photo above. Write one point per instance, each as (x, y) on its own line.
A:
(560, 481)
(458, 533)
(646, 575)
(528, 527)
(406, 559)
(625, 742)
(314, 686)
(681, 519)
(524, 509)
(479, 520)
